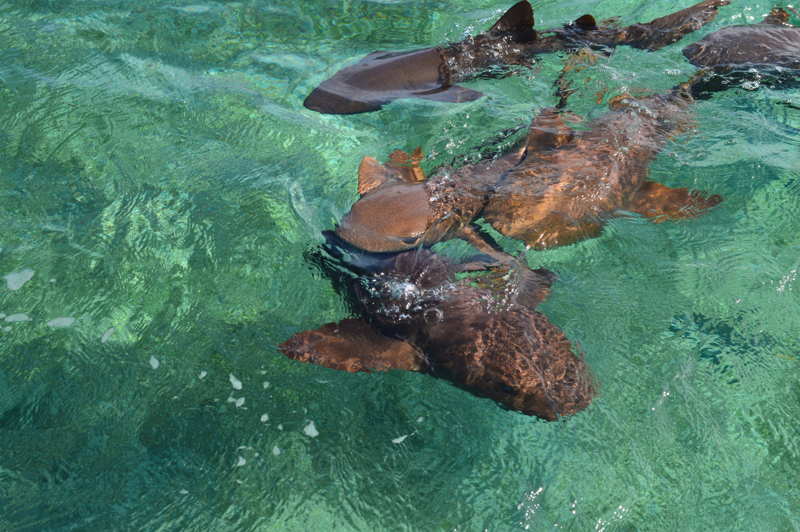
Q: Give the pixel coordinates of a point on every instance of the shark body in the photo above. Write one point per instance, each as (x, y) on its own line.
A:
(416, 316)
(768, 52)
(557, 187)
(434, 73)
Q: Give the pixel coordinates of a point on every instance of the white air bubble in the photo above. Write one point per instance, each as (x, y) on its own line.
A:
(107, 335)
(58, 323)
(310, 430)
(15, 280)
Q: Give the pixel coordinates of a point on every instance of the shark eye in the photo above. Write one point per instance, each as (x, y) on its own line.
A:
(410, 239)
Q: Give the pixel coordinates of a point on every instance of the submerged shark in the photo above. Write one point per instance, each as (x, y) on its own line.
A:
(416, 316)
(571, 181)
(433, 73)
(735, 53)
(557, 187)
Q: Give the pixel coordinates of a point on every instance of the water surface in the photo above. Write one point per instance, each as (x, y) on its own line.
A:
(160, 183)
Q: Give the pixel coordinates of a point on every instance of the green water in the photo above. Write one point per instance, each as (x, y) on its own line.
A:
(160, 183)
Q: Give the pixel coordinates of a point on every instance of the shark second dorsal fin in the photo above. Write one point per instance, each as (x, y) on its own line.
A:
(518, 21)
(777, 16)
(585, 23)
(548, 131)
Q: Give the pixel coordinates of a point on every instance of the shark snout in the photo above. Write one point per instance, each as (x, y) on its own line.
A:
(374, 240)
(329, 101)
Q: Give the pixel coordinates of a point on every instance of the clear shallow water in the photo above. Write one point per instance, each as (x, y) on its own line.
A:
(160, 183)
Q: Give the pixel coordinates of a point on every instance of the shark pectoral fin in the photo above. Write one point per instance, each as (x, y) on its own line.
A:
(520, 284)
(484, 243)
(777, 16)
(660, 202)
(451, 94)
(518, 21)
(352, 345)
(671, 28)
(407, 165)
(548, 131)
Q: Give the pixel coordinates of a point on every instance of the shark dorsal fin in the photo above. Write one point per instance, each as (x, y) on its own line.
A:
(401, 167)
(585, 23)
(518, 21)
(548, 131)
(372, 174)
(777, 16)
(407, 166)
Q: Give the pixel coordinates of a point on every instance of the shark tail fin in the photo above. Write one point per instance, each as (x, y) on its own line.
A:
(517, 21)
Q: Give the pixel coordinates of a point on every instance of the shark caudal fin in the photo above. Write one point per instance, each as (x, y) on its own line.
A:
(517, 21)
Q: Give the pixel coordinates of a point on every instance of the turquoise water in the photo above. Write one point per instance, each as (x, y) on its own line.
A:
(160, 183)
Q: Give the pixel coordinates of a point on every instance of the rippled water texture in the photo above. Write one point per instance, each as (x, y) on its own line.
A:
(160, 183)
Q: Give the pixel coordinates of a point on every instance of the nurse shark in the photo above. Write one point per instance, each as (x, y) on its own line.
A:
(434, 73)
(558, 186)
(769, 49)
(414, 314)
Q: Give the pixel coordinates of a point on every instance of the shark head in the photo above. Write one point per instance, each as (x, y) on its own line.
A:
(392, 217)
(394, 211)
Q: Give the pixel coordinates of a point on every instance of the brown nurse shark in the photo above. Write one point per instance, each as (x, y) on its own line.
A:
(416, 316)
(771, 43)
(558, 187)
(771, 47)
(433, 73)
(571, 181)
